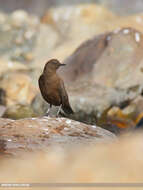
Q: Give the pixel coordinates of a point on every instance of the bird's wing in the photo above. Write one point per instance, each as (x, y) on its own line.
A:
(63, 93)
(64, 97)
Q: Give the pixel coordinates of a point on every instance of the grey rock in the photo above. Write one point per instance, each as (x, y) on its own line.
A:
(112, 77)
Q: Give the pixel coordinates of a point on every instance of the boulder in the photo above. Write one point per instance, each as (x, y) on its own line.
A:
(94, 88)
(41, 133)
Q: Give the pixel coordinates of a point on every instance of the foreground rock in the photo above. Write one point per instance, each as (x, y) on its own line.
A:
(120, 161)
(41, 133)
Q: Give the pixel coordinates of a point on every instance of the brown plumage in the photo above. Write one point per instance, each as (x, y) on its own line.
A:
(52, 87)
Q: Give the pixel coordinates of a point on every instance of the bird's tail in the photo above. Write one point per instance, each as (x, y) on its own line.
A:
(67, 109)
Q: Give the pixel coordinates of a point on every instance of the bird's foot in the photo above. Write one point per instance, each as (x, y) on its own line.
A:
(48, 112)
(46, 115)
(57, 115)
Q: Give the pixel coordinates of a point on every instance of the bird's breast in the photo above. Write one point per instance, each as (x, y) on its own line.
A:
(50, 89)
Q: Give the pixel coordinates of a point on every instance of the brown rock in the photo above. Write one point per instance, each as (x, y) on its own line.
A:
(40, 133)
(88, 164)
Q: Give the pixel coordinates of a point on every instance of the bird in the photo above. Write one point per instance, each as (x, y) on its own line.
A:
(52, 87)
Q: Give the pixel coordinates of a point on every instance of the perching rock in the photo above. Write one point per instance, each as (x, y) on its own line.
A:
(40, 133)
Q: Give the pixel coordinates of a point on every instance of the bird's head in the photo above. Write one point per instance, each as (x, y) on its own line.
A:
(52, 65)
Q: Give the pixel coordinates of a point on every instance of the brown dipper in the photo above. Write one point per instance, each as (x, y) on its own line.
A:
(52, 87)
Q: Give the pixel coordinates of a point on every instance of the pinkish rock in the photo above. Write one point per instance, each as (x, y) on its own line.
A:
(40, 133)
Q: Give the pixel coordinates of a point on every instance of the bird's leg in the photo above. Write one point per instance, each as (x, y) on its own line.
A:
(48, 111)
(59, 110)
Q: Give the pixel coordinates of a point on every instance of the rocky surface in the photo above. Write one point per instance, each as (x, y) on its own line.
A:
(41, 133)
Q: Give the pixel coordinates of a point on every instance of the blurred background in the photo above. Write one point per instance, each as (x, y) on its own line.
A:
(122, 7)
(101, 43)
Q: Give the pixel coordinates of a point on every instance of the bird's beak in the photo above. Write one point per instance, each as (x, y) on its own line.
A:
(62, 64)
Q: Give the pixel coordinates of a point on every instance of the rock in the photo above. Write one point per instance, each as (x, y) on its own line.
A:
(82, 60)
(18, 88)
(108, 48)
(91, 103)
(19, 111)
(4, 121)
(129, 117)
(122, 159)
(39, 105)
(94, 88)
(124, 63)
(2, 110)
(40, 133)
